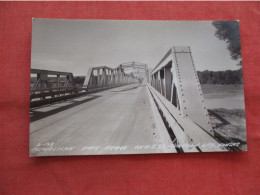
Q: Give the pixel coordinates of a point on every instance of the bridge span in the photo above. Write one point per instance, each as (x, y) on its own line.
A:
(120, 116)
(125, 110)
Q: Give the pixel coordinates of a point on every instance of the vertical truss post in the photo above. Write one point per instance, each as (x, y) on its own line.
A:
(175, 77)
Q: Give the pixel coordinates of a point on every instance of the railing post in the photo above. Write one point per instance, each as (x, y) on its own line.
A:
(98, 76)
(112, 77)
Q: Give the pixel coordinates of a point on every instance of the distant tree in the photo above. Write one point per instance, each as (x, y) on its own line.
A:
(229, 32)
(221, 77)
(79, 80)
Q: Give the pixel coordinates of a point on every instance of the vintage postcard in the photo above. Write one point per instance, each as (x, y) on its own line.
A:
(135, 87)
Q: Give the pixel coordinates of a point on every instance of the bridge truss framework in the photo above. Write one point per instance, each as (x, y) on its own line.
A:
(173, 84)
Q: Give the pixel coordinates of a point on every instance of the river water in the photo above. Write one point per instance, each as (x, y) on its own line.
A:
(223, 96)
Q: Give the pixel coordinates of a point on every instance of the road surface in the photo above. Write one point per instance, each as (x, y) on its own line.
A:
(116, 121)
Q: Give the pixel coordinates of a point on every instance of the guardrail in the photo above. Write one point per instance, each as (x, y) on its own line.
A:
(52, 86)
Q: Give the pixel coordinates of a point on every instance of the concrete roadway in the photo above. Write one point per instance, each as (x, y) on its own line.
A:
(93, 124)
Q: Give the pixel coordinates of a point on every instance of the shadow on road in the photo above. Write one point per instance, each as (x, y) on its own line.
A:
(37, 115)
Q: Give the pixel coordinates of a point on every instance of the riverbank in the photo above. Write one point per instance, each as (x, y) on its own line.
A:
(230, 124)
(226, 108)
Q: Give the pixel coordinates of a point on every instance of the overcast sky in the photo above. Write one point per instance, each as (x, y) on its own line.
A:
(75, 45)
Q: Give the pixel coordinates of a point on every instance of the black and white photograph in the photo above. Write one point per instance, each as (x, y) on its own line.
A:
(102, 87)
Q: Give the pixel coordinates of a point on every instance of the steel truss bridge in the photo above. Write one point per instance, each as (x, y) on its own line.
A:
(129, 105)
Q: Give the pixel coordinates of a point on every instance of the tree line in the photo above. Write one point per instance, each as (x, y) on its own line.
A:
(221, 77)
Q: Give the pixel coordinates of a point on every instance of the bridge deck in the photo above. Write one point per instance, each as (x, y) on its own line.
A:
(121, 116)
